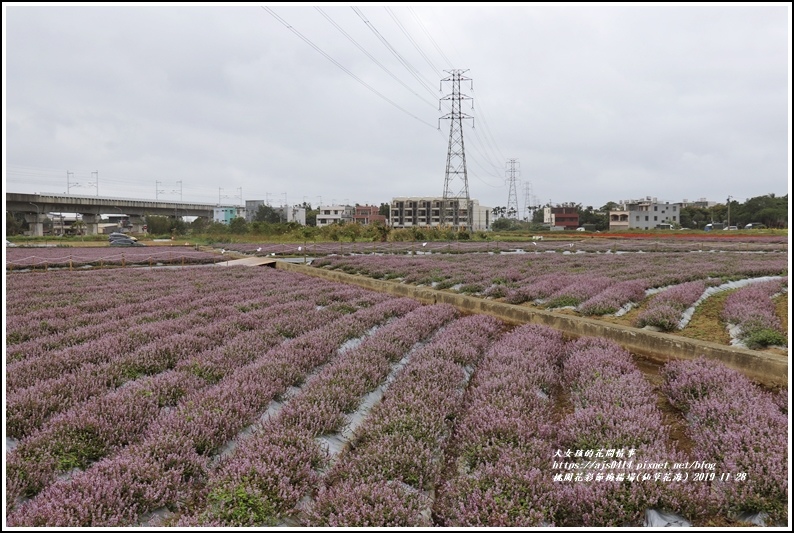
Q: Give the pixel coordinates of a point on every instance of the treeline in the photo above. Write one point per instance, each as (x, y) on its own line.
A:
(769, 209)
(161, 226)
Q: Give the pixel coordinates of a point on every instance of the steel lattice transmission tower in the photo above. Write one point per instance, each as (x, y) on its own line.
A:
(527, 201)
(512, 197)
(455, 175)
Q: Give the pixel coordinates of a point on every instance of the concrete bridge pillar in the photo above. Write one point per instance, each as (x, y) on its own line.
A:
(36, 223)
(91, 222)
(137, 222)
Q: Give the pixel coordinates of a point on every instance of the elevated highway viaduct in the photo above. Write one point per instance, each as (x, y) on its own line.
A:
(36, 206)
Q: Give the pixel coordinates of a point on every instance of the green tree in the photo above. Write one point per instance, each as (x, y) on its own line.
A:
(499, 212)
(378, 231)
(15, 223)
(768, 209)
(501, 224)
(385, 210)
(265, 213)
(217, 228)
(238, 226)
(199, 225)
(598, 218)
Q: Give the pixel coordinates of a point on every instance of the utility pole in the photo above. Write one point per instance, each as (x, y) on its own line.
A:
(157, 190)
(512, 197)
(729, 210)
(456, 155)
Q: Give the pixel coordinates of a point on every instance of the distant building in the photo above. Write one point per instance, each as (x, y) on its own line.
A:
(648, 213)
(334, 214)
(224, 215)
(561, 217)
(367, 214)
(415, 211)
(251, 207)
(293, 213)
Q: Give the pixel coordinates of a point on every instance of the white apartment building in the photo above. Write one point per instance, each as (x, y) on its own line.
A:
(648, 213)
(334, 214)
(426, 211)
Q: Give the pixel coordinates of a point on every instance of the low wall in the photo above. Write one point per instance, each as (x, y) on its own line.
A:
(767, 369)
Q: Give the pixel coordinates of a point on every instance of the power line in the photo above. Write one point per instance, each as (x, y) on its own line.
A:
(410, 68)
(335, 62)
(413, 42)
(427, 33)
(374, 60)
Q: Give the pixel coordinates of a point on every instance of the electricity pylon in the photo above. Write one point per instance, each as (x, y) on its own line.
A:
(456, 156)
(512, 196)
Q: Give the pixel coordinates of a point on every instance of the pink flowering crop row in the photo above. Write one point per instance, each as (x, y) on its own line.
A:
(665, 309)
(174, 453)
(398, 451)
(91, 368)
(76, 437)
(259, 484)
(595, 283)
(262, 317)
(17, 258)
(742, 429)
(693, 243)
(497, 460)
(614, 409)
(753, 310)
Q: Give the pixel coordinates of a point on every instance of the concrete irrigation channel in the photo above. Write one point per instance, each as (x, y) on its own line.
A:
(765, 368)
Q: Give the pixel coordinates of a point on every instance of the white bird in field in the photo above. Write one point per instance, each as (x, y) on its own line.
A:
(259, 249)
(223, 251)
(300, 248)
(424, 244)
(535, 244)
(570, 245)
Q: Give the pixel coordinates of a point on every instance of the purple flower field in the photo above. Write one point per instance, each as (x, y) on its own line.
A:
(42, 258)
(246, 397)
(592, 284)
(696, 242)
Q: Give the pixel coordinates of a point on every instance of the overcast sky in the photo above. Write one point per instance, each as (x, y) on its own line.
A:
(226, 103)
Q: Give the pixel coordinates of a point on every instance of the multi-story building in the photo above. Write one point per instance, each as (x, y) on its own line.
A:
(367, 214)
(644, 214)
(251, 207)
(564, 217)
(224, 215)
(334, 214)
(407, 212)
(293, 213)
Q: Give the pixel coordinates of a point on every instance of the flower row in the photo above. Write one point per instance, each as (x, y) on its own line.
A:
(17, 258)
(594, 283)
(397, 453)
(177, 445)
(666, 308)
(742, 429)
(752, 309)
(695, 242)
(269, 473)
(497, 465)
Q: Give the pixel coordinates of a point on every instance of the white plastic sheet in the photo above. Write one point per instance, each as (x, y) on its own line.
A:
(654, 518)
